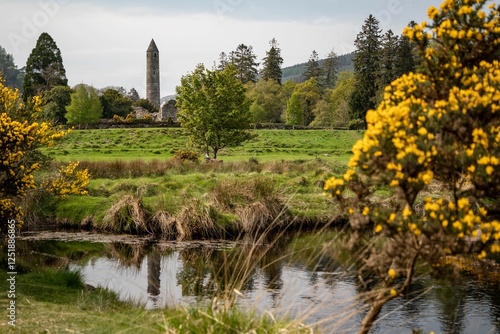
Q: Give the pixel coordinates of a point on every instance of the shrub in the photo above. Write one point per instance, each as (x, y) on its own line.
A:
(186, 155)
(439, 126)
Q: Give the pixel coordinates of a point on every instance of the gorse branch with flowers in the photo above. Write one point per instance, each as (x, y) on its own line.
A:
(20, 136)
(438, 128)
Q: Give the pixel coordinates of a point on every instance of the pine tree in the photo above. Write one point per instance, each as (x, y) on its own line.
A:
(44, 68)
(330, 70)
(387, 70)
(243, 60)
(366, 63)
(272, 63)
(313, 70)
(223, 61)
(9, 71)
(405, 57)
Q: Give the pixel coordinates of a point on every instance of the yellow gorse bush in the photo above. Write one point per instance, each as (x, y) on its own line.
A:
(69, 181)
(20, 135)
(439, 126)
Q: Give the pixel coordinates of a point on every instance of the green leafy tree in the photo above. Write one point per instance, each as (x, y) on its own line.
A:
(434, 143)
(294, 113)
(8, 70)
(333, 109)
(213, 108)
(309, 94)
(268, 101)
(115, 103)
(85, 106)
(313, 70)
(44, 68)
(366, 67)
(272, 63)
(243, 60)
(55, 102)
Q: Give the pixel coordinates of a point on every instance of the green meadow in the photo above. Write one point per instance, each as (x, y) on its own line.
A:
(163, 143)
(278, 172)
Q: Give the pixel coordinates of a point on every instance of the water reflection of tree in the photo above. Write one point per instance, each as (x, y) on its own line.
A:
(128, 255)
(450, 295)
(154, 272)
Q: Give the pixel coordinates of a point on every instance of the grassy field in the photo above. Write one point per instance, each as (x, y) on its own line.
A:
(137, 186)
(162, 143)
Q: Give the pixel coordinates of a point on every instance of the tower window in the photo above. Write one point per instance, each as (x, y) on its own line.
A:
(154, 55)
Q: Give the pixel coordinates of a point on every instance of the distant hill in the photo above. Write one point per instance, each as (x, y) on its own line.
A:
(295, 72)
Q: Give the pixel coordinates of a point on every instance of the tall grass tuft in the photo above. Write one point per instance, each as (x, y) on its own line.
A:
(127, 215)
(199, 219)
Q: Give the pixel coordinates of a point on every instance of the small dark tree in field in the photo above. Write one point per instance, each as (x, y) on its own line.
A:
(438, 128)
(213, 108)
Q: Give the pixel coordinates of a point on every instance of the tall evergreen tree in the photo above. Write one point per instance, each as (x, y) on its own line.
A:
(313, 70)
(387, 70)
(330, 70)
(8, 70)
(405, 57)
(223, 61)
(44, 68)
(366, 63)
(272, 63)
(243, 60)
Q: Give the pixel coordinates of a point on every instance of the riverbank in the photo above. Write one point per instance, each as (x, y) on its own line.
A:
(184, 199)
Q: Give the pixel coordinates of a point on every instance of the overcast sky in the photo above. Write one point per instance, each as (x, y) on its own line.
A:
(103, 43)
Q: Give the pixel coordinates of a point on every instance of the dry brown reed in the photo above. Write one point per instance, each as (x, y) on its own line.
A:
(127, 215)
(153, 168)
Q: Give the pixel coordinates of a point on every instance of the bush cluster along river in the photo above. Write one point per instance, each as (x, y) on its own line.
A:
(291, 275)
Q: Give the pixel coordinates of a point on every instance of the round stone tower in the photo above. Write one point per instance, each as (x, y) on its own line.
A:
(153, 74)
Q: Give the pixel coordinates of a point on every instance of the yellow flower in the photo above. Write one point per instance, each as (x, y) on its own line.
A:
(394, 293)
(378, 228)
(366, 211)
(392, 273)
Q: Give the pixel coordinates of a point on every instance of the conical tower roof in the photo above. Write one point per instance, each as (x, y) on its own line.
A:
(152, 46)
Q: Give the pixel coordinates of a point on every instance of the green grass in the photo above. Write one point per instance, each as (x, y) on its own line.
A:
(138, 161)
(297, 183)
(162, 143)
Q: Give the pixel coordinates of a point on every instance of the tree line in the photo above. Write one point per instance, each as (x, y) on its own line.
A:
(45, 76)
(324, 97)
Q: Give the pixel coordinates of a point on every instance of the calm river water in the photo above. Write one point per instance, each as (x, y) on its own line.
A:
(293, 275)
